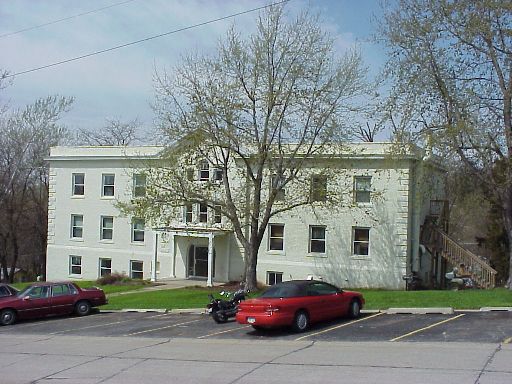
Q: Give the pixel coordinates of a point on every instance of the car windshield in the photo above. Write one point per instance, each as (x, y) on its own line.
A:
(24, 291)
(283, 290)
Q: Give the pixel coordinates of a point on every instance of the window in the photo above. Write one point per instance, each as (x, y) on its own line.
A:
(319, 289)
(190, 174)
(75, 265)
(138, 226)
(218, 174)
(107, 228)
(217, 218)
(276, 237)
(139, 185)
(105, 267)
(136, 269)
(204, 171)
(275, 184)
(203, 213)
(361, 242)
(188, 213)
(362, 186)
(38, 292)
(77, 226)
(316, 239)
(274, 277)
(318, 188)
(60, 290)
(108, 185)
(78, 184)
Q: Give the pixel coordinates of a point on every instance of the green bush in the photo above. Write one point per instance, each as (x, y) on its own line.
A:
(118, 279)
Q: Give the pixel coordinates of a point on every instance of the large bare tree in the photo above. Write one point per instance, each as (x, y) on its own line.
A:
(25, 138)
(115, 132)
(451, 65)
(257, 110)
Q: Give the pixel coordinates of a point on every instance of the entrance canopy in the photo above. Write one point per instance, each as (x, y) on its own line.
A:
(190, 232)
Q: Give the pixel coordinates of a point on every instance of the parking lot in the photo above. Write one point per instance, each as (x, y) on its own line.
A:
(480, 327)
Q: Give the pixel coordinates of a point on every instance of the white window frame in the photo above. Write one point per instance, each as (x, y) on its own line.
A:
(136, 229)
(272, 236)
(188, 213)
(102, 268)
(317, 239)
(104, 185)
(75, 261)
(202, 212)
(139, 185)
(76, 185)
(218, 174)
(317, 193)
(217, 214)
(133, 271)
(355, 243)
(75, 226)
(360, 191)
(281, 193)
(104, 228)
(272, 277)
(204, 171)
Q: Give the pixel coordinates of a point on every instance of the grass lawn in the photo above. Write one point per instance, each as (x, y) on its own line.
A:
(107, 288)
(375, 299)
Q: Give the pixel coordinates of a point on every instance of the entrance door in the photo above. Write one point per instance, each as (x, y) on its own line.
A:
(198, 261)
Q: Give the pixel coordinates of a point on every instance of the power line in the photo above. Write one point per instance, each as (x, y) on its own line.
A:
(145, 39)
(65, 18)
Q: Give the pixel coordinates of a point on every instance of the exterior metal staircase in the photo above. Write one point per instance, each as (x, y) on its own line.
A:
(437, 241)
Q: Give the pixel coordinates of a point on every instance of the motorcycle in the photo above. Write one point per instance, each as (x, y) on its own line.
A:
(458, 282)
(222, 309)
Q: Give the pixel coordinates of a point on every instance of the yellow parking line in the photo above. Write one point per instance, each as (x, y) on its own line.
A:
(507, 341)
(339, 326)
(221, 332)
(425, 328)
(158, 329)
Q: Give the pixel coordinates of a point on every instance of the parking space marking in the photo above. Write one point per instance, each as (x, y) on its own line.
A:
(425, 328)
(159, 329)
(103, 325)
(507, 341)
(221, 332)
(339, 326)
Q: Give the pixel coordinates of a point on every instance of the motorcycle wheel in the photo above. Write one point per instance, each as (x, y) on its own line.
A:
(219, 318)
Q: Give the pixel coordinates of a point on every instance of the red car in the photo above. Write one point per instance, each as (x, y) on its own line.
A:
(298, 303)
(44, 299)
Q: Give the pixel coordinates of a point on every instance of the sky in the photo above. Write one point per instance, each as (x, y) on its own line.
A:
(119, 84)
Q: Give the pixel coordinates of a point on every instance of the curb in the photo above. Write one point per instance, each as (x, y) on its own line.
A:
(496, 309)
(196, 311)
(420, 311)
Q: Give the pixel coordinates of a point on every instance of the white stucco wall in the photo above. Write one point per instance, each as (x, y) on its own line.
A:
(399, 204)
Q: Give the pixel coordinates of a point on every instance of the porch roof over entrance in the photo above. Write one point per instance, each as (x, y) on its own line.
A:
(194, 231)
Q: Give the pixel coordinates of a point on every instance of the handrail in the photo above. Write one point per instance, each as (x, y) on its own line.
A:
(480, 271)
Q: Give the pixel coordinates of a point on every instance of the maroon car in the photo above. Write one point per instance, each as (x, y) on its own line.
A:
(45, 299)
(298, 303)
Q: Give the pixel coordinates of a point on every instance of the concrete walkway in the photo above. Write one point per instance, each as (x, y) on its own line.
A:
(168, 284)
(45, 359)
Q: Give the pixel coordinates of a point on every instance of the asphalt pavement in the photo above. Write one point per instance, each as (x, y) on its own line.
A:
(117, 347)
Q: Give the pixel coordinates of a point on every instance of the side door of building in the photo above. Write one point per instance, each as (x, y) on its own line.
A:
(63, 298)
(35, 303)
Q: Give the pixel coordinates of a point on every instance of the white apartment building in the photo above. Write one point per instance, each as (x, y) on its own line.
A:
(371, 239)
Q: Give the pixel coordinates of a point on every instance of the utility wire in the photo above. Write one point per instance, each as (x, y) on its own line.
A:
(65, 18)
(145, 39)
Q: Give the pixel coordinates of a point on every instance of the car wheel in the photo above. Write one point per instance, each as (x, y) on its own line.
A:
(7, 317)
(354, 310)
(83, 308)
(301, 321)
